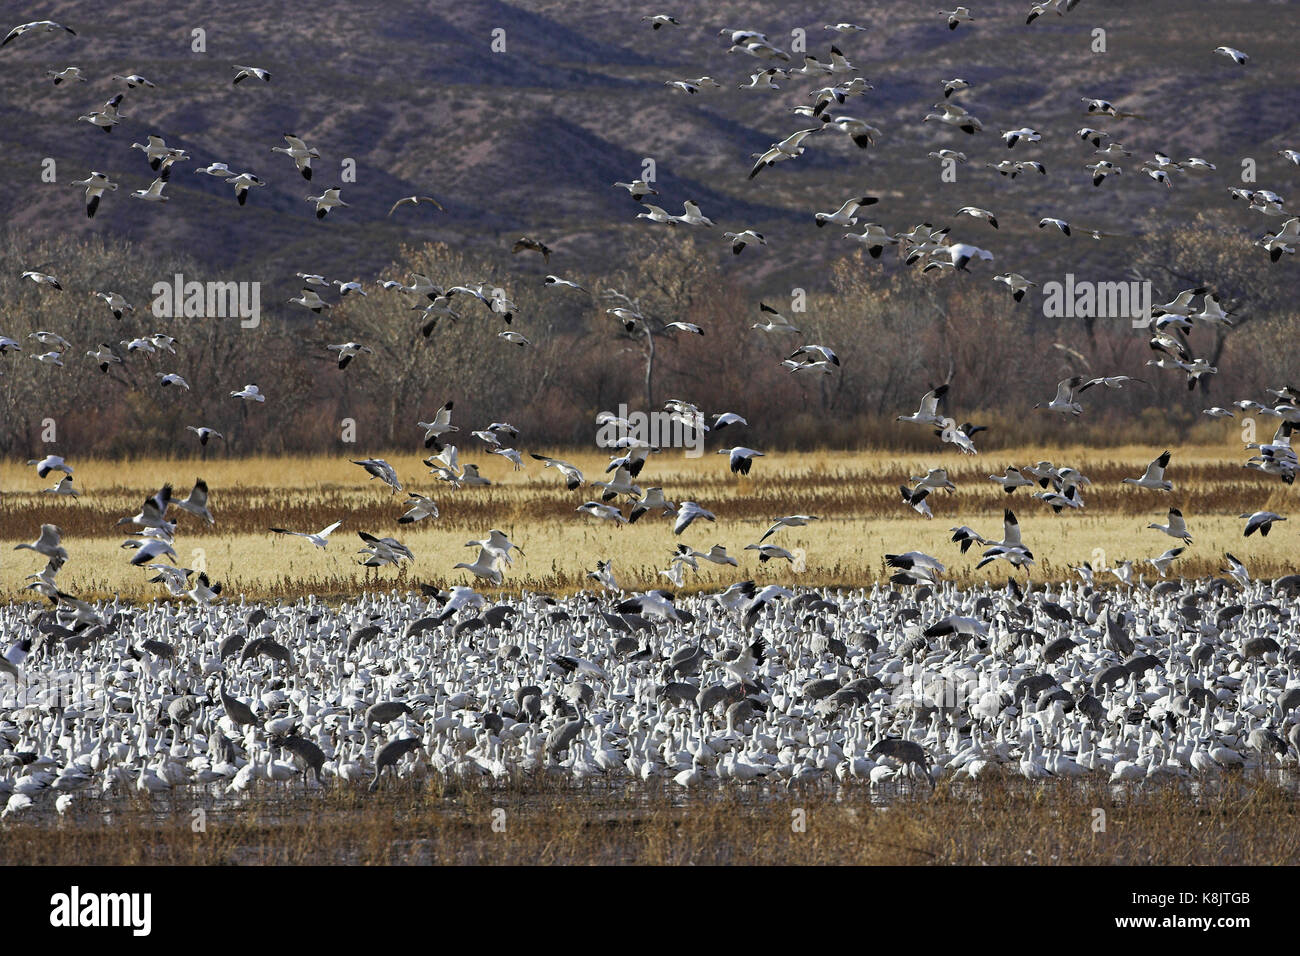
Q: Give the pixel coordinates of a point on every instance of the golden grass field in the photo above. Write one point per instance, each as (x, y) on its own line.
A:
(1239, 821)
(855, 493)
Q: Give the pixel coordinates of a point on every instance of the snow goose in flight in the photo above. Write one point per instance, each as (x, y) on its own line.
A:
(789, 521)
(383, 550)
(1217, 412)
(349, 288)
(498, 544)
(40, 278)
(420, 508)
(839, 64)
(687, 512)
(653, 500)
(302, 155)
(61, 487)
(51, 340)
(152, 513)
(327, 201)
(692, 216)
(936, 479)
(133, 80)
(814, 355)
(1176, 528)
(1236, 56)
(36, 26)
(776, 323)
(1236, 570)
(742, 36)
(966, 537)
(692, 87)
(242, 183)
(244, 72)
(50, 358)
(761, 49)
(690, 327)
(1162, 562)
(975, 212)
(638, 189)
(204, 433)
(788, 148)
(512, 455)
(104, 356)
(1017, 283)
(48, 544)
(1010, 548)
(657, 214)
(67, 73)
(1008, 168)
(951, 114)
(413, 201)
(1110, 381)
(766, 552)
(95, 184)
(606, 512)
(572, 476)
(555, 282)
(955, 85)
(846, 215)
(1282, 242)
(741, 458)
(715, 555)
(723, 419)
(308, 299)
(1101, 169)
(658, 20)
(862, 133)
(620, 484)
(158, 152)
(928, 413)
(1212, 312)
(348, 351)
(249, 393)
(378, 468)
(1154, 477)
(959, 254)
(153, 193)
(916, 500)
(1025, 134)
(762, 80)
(958, 16)
(440, 426)
(171, 379)
(743, 238)
(812, 67)
(873, 237)
(220, 170)
(1064, 401)
(106, 117)
(1261, 521)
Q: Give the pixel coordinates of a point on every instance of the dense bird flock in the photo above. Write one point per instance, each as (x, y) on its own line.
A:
(913, 679)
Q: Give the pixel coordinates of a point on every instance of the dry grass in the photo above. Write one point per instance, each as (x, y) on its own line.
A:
(1006, 821)
(855, 493)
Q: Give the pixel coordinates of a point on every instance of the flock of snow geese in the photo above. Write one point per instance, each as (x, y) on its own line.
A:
(914, 680)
